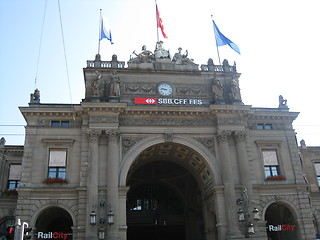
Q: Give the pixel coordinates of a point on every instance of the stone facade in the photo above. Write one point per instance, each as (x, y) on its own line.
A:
(197, 144)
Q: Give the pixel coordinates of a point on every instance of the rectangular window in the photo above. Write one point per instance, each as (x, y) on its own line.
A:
(271, 165)
(266, 126)
(317, 168)
(64, 123)
(55, 123)
(57, 163)
(60, 124)
(14, 176)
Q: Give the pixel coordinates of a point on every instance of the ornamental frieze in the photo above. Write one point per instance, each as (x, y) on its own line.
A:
(104, 119)
(164, 122)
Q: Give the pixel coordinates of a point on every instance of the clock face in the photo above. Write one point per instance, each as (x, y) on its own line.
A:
(165, 89)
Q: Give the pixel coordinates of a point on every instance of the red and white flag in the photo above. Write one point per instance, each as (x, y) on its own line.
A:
(159, 22)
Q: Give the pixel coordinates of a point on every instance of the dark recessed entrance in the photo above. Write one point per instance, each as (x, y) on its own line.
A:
(281, 224)
(54, 220)
(163, 203)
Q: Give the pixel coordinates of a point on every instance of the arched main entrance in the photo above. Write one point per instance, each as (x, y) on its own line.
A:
(165, 198)
(54, 222)
(281, 223)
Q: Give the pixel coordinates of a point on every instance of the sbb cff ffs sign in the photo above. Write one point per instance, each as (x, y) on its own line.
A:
(167, 101)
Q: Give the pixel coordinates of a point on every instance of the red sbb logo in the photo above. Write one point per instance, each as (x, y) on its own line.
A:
(145, 101)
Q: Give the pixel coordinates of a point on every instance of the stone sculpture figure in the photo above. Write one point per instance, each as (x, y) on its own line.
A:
(143, 57)
(160, 52)
(282, 102)
(35, 97)
(114, 84)
(97, 85)
(217, 91)
(180, 58)
(234, 91)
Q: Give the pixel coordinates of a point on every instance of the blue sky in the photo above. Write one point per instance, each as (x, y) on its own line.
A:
(279, 43)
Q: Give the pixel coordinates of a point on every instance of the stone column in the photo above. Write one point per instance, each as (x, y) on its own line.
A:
(92, 182)
(113, 182)
(229, 190)
(240, 137)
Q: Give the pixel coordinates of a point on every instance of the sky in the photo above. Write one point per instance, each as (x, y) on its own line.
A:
(278, 40)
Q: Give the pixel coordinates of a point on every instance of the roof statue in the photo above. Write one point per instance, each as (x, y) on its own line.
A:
(144, 56)
(282, 102)
(160, 52)
(35, 97)
(180, 58)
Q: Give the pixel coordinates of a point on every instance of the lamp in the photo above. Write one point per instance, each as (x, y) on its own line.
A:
(241, 217)
(93, 216)
(101, 233)
(110, 217)
(256, 214)
(250, 228)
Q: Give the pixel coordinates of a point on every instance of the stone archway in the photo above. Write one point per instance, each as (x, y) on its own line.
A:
(281, 222)
(54, 222)
(165, 198)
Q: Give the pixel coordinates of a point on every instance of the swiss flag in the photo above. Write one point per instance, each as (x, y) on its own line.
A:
(145, 101)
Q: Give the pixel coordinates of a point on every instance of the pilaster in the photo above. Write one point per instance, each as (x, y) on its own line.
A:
(227, 177)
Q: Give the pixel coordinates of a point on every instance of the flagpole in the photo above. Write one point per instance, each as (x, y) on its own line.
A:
(215, 37)
(99, 31)
(155, 1)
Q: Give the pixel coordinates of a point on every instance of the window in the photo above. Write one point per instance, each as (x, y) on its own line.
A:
(266, 126)
(317, 168)
(14, 176)
(60, 124)
(271, 166)
(57, 163)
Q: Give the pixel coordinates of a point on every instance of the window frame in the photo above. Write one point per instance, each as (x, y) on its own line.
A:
(274, 169)
(316, 173)
(58, 169)
(11, 181)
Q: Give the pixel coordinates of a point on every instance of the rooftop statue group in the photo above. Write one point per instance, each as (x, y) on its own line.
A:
(146, 56)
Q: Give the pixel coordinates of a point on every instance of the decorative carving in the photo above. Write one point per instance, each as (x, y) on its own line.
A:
(168, 137)
(94, 135)
(113, 135)
(208, 143)
(223, 136)
(139, 88)
(104, 119)
(128, 142)
(240, 135)
(164, 122)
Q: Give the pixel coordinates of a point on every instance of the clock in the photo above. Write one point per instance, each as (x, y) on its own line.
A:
(165, 89)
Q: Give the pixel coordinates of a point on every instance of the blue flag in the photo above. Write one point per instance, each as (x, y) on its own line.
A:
(223, 40)
(105, 31)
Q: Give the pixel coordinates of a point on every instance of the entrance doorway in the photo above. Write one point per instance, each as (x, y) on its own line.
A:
(281, 224)
(54, 220)
(164, 202)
